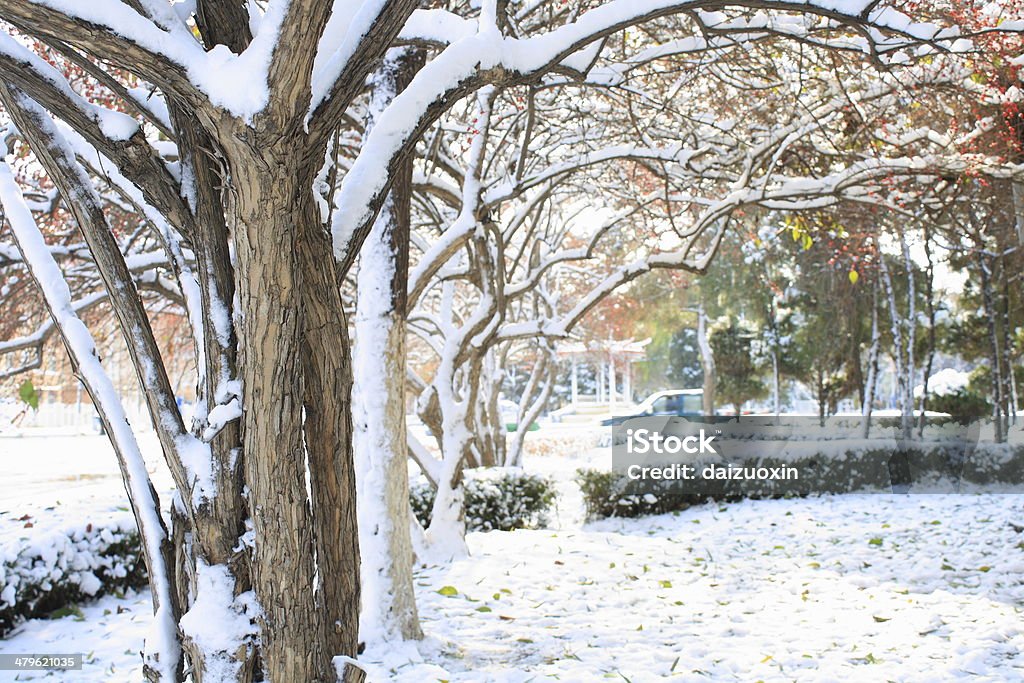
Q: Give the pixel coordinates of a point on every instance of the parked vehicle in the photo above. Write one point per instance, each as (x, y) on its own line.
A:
(673, 402)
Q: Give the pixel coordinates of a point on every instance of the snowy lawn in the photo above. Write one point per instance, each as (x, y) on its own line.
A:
(48, 470)
(839, 588)
(862, 588)
(108, 632)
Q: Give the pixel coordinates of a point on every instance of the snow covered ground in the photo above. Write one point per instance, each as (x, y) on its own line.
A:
(41, 471)
(838, 588)
(862, 588)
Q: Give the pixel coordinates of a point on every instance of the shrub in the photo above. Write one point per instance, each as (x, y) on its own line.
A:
(497, 499)
(962, 404)
(62, 568)
(824, 469)
(604, 495)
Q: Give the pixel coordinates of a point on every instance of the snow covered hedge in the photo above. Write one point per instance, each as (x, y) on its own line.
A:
(497, 499)
(961, 402)
(45, 572)
(990, 467)
(605, 495)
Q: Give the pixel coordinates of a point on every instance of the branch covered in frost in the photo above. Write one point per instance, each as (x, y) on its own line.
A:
(163, 650)
(58, 158)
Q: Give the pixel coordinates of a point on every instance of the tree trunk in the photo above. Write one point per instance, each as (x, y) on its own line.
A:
(776, 384)
(707, 361)
(822, 396)
(1006, 371)
(446, 417)
(162, 659)
(1018, 209)
(389, 601)
(208, 477)
(910, 322)
(389, 605)
(297, 378)
(900, 356)
(220, 522)
(930, 304)
(491, 428)
(871, 385)
(446, 535)
(535, 397)
(995, 358)
(773, 327)
(445, 409)
(301, 560)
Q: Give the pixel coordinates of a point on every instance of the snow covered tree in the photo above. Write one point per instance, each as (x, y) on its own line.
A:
(220, 127)
(502, 237)
(976, 227)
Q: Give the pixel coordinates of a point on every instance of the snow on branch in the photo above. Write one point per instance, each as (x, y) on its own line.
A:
(114, 31)
(675, 154)
(163, 649)
(488, 56)
(115, 135)
(191, 469)
(36, 76)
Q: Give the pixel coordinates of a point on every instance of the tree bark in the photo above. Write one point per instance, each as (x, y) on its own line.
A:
(389, 601)
(707, 361)
(294, 365)
(995, 357)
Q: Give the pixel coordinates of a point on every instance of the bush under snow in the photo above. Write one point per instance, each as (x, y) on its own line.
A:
(45, 572)
(497, 499)
(837, 468)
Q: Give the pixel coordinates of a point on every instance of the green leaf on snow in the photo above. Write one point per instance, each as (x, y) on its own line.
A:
(28, 394)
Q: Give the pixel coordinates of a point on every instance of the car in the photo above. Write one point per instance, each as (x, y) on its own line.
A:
(673, 402)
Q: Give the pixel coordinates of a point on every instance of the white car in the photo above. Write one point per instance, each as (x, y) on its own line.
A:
(673, 402)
